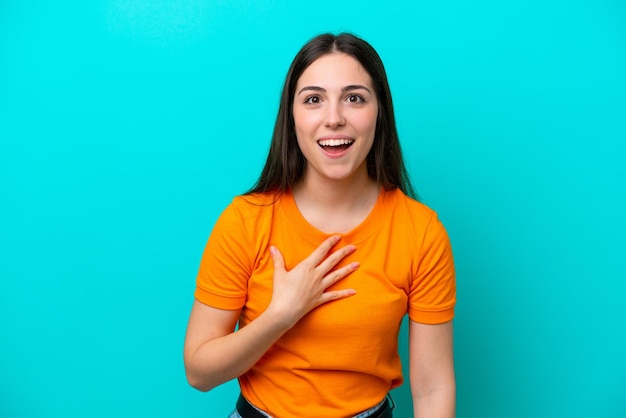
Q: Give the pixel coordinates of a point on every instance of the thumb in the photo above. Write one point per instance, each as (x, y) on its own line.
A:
(277, 257)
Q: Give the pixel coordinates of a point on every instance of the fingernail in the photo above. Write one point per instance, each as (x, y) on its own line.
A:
(272, 250)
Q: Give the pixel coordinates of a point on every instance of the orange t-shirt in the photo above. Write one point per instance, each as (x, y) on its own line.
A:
(342, 357)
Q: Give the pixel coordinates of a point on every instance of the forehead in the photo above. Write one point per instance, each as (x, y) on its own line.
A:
(335, 70)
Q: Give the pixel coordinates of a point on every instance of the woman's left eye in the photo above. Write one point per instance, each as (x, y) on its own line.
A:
(355, 98)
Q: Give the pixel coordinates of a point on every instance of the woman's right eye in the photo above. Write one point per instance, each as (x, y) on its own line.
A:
(312, 100)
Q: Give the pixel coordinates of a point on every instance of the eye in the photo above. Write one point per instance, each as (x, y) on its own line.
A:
(355, 98)
(313, 99)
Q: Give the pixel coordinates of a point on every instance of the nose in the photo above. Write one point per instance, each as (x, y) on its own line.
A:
(334, 116)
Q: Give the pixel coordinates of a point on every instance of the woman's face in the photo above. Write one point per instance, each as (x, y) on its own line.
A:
(335, 110)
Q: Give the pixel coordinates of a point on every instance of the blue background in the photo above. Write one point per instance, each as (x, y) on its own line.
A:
(126, 126)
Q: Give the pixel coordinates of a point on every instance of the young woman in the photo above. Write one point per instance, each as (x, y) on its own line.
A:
(321, 260)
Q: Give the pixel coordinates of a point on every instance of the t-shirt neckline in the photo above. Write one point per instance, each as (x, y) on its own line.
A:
(361, 232)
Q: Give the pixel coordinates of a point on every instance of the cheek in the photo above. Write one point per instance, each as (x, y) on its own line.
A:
(299, 130)
(301, 136)
(368, 123)
(299, 122)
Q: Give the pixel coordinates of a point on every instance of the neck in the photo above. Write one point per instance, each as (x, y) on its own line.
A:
(336, 205)
(333, 193)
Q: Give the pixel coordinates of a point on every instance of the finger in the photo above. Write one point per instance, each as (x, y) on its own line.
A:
(336, 294)
(333, 277)
(322, 250)
(277, 258)
(335, 258)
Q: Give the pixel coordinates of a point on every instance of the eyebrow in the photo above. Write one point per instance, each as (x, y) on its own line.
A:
(343, 90)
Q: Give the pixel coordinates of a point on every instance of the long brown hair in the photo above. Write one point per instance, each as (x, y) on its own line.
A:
(285, 164)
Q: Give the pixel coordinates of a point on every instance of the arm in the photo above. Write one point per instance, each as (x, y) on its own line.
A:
(214, 354)
(432, 379)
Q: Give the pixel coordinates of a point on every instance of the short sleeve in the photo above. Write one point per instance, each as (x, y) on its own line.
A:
(225, 266)
(432, 295)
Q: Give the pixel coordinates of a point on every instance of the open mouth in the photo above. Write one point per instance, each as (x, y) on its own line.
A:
(335, 145)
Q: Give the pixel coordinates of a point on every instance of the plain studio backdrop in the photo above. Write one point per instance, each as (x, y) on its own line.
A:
(126, 126)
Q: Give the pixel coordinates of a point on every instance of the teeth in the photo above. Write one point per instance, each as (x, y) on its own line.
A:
(334, 142)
